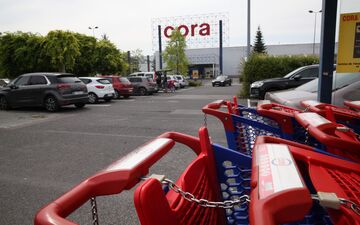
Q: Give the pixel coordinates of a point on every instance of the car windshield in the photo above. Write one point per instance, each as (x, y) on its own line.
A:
(68, 79)
(109, 79)
(103, 81)
(340, 80)
(124, 80)
(293, 72)
(220, 78)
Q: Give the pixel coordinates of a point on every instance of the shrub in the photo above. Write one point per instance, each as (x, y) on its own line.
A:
(259, 67)
(195, 83)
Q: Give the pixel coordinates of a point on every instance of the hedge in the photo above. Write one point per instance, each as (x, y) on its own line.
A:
(260, 67)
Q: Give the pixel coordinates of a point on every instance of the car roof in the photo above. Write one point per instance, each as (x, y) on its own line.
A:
(47, 74)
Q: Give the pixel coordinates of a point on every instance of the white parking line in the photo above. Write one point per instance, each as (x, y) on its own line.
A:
(98, 105)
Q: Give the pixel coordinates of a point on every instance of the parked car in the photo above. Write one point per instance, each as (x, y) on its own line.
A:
(50, 90)
(221, 80)
(121, 85)
(183, 83)
(345, 87)
(293, 79)
(3, 83)
(98, 88)
(143, 85)
(174, 80)
(151, 75)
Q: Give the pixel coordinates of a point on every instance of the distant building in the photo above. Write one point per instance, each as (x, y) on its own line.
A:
(206, 60)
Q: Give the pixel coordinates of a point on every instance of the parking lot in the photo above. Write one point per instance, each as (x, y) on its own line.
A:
(44, 154)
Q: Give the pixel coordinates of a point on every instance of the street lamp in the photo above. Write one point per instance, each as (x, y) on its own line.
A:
(93, 30)
(311, 11)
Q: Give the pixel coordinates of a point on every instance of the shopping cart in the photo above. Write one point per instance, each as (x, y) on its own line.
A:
(214, 188)
(289, 178)
(242, 125)
(334, 113)
(354, 105)
(199, 179)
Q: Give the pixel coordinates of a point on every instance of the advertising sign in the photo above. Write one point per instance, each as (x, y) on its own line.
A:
(349, 43)
(200, 31)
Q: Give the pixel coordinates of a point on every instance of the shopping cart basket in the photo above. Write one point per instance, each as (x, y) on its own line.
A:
(334, 113)
(289, 178)
(354, 105)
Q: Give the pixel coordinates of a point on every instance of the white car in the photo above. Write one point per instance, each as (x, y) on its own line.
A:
(98, 88)
(346, 86)
(151, 75)
(183, 83)
(173, 78)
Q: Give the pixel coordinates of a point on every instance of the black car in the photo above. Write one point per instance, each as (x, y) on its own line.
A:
(221, 81)
(50, 90)
(291, 80)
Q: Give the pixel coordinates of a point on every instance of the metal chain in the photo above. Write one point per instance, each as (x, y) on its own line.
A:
(306, 136)
(94, 212)
(204, 202)
(351, 205)
(205, 120)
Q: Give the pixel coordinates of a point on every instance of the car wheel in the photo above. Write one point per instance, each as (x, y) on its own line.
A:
(117, 94)
(126, 96)
(4, 104)
(79, 105)
(51, 104)
(107, 99)
(93, 98)
(230, 84)
(142, 91)
(213, 85)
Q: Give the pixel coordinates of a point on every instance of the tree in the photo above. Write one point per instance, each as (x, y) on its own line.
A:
(84, 63)
(63, 48)
(21, 53)
(259, 45)
(174, 54)
(108, 59)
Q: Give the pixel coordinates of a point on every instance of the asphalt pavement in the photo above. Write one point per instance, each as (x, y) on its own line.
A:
(42, 155)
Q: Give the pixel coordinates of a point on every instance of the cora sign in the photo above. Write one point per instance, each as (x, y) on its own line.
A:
(192, 30)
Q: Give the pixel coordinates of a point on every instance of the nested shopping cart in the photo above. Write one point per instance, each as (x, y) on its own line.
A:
(348, 117)
(215, 186)
(242, 125)
(354, 105)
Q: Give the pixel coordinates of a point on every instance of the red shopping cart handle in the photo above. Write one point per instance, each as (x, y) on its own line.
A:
(279, 192)
(330, 112)
(120, 175)
(277, 185)
(353, 104)
(225, 117)
(330, 134)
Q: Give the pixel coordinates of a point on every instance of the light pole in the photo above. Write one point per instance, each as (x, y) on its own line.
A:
(93, 30)
(311, 11)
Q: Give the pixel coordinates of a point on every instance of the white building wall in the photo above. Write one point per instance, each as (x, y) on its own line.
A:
(233, 56)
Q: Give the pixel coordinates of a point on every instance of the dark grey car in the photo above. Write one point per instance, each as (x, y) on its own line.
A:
(50, 90)
(143, 85)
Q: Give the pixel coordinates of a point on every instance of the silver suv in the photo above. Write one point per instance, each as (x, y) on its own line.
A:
(143, 85)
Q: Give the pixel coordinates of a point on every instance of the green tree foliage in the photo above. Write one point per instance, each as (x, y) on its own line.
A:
(174, 54)
(59, 50)
(259, 67)
(62, 47)
(84, 62)
(108, 59)
(259, 45)
(21, 53)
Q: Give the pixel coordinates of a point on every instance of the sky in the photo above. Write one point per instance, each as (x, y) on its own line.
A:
(128, 23)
